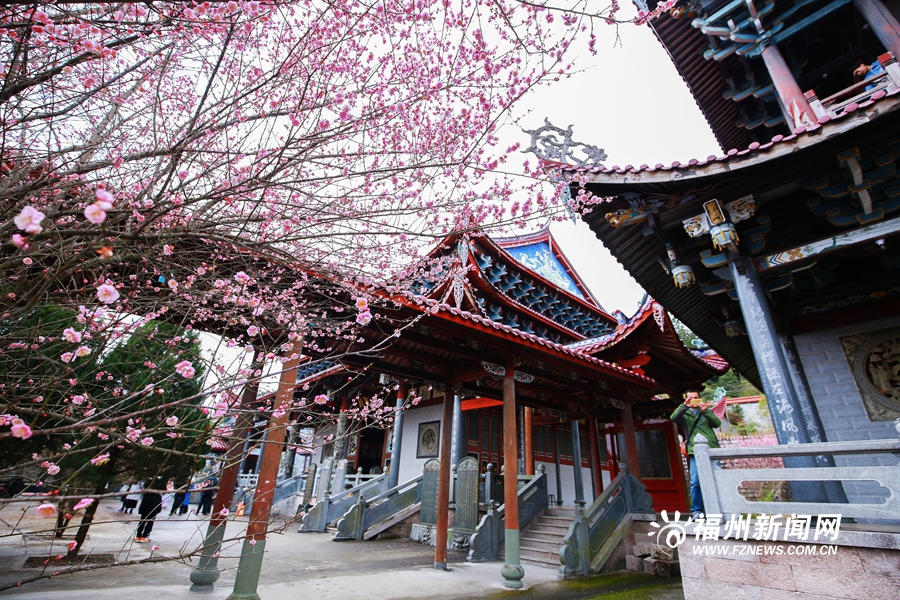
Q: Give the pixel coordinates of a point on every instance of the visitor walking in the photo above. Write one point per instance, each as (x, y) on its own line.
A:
(696, 418)
(151, 505)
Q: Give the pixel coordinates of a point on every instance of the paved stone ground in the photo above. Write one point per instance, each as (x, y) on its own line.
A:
(296, 566)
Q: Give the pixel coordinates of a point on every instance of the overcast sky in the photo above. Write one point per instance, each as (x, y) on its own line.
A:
(630, 101)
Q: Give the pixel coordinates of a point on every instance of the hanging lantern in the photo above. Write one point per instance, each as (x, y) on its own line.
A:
(725, 236)
(683, 276)
(733, 329)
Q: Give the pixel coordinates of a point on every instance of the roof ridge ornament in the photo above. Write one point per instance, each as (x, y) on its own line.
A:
(546, 144)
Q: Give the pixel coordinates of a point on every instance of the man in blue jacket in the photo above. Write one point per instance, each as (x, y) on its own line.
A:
(697, 419)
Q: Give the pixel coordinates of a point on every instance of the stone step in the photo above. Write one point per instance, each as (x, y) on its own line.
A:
(526, 552)
(552, 526)
(545, 518)
(542, 545)
(542, 536)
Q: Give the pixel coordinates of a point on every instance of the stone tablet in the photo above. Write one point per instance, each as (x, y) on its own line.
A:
(430, 481)
(467, 495)
(310, 484)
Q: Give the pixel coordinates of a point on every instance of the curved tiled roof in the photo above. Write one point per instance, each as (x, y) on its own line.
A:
(733, 158)
(438, 307)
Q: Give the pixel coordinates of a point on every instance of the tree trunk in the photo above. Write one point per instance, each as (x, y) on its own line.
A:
(86, 521)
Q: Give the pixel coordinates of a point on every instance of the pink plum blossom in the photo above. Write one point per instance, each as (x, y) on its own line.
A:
(362, 304)
(19, 241)
(53, 469)
(154, 548)
(147, 441)
(185, 369)
(363, 318)
(167, 250)
(83, 503)
(252, 330)
(29, 220)
(82, 351)
(45, 510)
(71, 335)
(172, 421)
(94, 213)
(20, 429)
(104, 198)
(242, 278)
(107, 294)
(67, 357)
(72, 546)
(321, 399)
(101, 459)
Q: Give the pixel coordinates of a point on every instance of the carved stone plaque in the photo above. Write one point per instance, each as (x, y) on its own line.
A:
(875, 360)
(430, 481)
(467, 495)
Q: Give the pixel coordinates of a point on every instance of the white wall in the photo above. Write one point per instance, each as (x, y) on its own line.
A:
(567, 479)
(410, 466)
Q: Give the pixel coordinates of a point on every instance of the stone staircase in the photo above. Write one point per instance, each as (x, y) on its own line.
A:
(540, 540)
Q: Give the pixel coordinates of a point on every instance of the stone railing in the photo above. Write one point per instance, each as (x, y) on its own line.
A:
(330, 508)
(597, 530)
(364, 519)
(720, 487)
(489, 537)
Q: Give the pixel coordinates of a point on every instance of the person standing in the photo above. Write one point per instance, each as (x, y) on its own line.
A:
(151, 505)
(697, 419)
(206, 497)
(134, 494)
(179, 504)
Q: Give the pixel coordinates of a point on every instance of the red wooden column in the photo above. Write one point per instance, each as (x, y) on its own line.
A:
(884, 25)
(512, 570)
(798, 113)
(595, 456)
(250, 565)
(443, 507)
(529, 440)
(207, 572)
(631, 453)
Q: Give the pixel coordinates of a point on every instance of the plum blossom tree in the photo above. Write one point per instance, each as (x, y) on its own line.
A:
(254, 169)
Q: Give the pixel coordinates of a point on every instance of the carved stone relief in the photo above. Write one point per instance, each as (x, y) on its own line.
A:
(875, 360)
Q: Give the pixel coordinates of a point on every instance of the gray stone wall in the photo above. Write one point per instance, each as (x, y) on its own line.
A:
(857, 573)
(838, 400)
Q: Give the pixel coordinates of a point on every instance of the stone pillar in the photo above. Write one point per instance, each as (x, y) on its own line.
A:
(394, 474)
(884, 25)
(811, 421)
(576, 464)
(631, 453)
(773, 371)
(512, 570)
(596, 471)
(554, 429)
(457, 450)
(443, 507)
(250, 565)
(797, 111)
(339, 448)
(529, 440)
(207, 571)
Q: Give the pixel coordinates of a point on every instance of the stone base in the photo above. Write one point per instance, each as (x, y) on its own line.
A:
(634, 563)
(755, 569)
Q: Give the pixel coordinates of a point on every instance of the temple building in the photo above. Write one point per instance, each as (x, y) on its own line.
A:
(782, 252)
